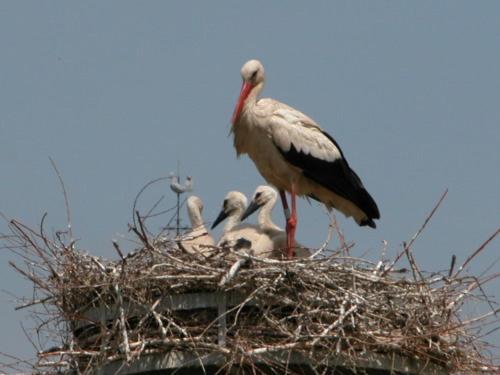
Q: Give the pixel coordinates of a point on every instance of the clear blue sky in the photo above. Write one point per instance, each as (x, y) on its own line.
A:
(116, 92)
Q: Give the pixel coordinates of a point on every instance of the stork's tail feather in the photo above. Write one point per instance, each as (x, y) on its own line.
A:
(367, 204)
(368, 223)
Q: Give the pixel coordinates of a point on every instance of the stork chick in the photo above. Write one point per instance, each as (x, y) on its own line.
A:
(197, 240)
(264, 198)
(232, 208)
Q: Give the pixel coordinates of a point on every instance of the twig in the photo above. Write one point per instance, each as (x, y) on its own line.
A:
(118, 250)
(481, 248)
(66, 200)
(340, 234)
(452, 265)
(125, 344)
(232, 271)
(34, 302)
(327, 241)
(415, 236)
(335, 324)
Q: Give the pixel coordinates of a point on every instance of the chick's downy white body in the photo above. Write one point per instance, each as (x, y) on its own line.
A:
(233, 207)
(198, 239)
(264, 199)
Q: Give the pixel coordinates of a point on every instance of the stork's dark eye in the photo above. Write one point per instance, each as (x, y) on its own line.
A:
(254, 75)
(225, 203)
(257, 196)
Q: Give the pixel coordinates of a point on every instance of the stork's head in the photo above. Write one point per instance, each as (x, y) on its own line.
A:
(252, 72)
(194, 203)
(253, 76)
(262, 195)
(234, 204)
(234, 201)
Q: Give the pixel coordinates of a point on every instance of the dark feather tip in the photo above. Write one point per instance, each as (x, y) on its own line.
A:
(368, 223)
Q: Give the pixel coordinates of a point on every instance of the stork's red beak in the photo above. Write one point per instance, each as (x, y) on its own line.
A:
(245, 91)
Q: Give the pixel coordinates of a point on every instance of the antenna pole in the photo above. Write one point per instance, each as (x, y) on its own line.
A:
(178, 189)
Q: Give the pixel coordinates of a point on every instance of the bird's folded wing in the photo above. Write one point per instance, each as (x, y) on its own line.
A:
(293, 127)
(307, 147)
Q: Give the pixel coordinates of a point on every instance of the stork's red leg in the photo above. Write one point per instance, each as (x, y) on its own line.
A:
(291, 222)
(286, 210)
(291, 225)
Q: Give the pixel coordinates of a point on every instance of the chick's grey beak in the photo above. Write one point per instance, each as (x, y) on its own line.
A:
(221, 217)
(250, 210)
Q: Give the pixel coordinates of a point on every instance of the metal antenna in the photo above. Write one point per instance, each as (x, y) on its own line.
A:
(179, 189)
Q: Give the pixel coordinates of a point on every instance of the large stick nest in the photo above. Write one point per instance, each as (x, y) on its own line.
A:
(318, 307)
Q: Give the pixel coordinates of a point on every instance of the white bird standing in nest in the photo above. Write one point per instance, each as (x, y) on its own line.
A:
(232, 208)
(294, 154)
(179, 188)
(197, 240)
(264, 198)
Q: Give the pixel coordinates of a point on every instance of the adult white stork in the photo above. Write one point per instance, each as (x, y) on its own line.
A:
(234, 231)
(264, 198)
(294, 154)
(197, 240)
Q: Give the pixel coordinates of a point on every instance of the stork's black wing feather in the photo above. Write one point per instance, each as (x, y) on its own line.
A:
(336, 176)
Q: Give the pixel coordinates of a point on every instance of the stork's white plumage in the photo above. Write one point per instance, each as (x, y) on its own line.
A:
(264, 198)
(233, 207)
(294, 154)
(197, 240)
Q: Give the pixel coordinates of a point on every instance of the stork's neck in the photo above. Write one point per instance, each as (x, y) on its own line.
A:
(264, 219)
(253, 96)
(198, 231)
(233, 220)
(195, 216)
